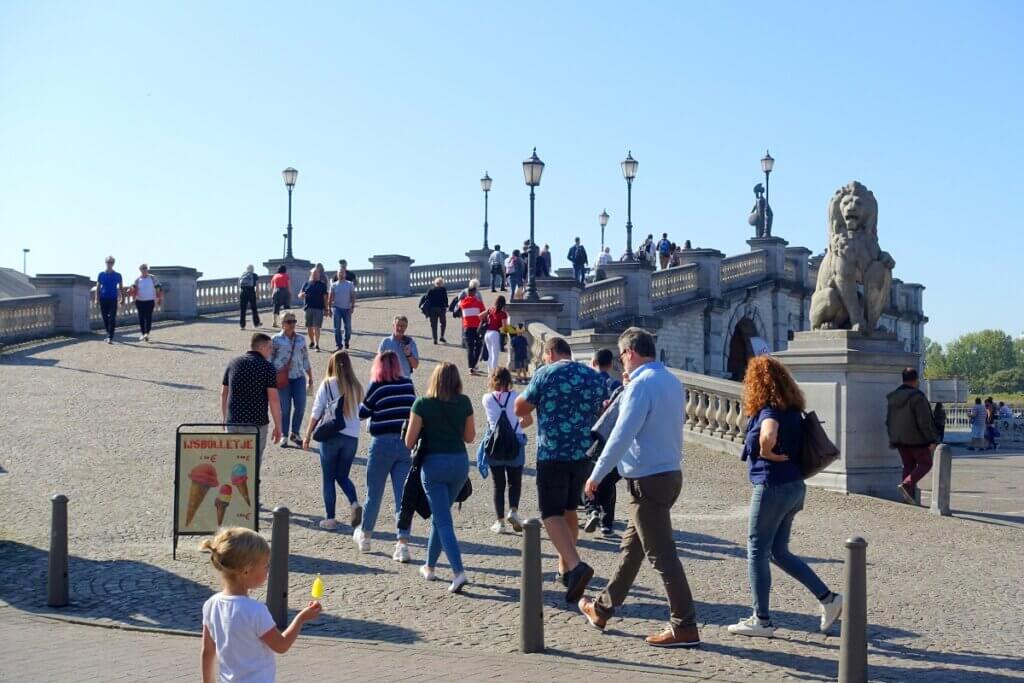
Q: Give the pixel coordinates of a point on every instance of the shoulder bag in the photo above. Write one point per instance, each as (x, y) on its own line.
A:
(333, 419)
(282, 374)
(818, 450)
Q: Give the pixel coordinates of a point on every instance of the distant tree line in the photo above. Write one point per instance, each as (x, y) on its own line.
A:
(990, 360)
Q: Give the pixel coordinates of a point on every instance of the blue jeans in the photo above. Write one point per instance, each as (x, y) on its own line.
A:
(336, 456)
(579, 273)
(443, 475)
(514, 283)
(342, 315)
(772, 509)
(388, 457)
(293, 394)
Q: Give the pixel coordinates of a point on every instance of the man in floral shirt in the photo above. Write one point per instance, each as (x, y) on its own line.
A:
(568, 398)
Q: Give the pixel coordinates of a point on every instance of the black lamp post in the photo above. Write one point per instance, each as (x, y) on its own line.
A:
(629, 165)
(485, 184)
(532, 170)
(603, 220)
(290, 174)
(24, 261)
(767, 164)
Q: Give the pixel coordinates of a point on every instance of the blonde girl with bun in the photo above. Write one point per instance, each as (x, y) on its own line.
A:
(238, 632)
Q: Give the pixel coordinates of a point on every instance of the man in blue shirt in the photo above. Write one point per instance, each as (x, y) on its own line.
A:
(647, 445)
(568, 398)
(109, 293)
(403, 346)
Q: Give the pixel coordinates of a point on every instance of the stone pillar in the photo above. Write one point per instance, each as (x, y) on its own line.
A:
(178, 284)
(845, 377)
(799, 256)
(480, 256)
(74, 300)
(397, 269)
(298, 272)
(776, 248)
(638, 285)
(709, 273)
(566, 292)
(526, 312)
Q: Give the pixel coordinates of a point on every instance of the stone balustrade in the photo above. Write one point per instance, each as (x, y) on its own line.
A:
(27, 317)
(714, 410)
(670, 286)
(222, 294)
(746, 267)
(603, 300)
(456, 275)
(370, 283)
(126, 312)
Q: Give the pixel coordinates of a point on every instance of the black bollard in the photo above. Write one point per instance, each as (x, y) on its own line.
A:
(57, 565)
(531, 601)
(277, 581)
(853, 643)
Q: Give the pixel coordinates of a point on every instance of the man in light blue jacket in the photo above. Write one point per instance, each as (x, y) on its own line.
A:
(646, 445)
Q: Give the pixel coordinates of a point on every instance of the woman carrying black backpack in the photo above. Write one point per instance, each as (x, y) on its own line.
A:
(494, 454)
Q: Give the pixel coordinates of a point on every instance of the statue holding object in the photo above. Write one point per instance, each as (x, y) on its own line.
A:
(761, 215)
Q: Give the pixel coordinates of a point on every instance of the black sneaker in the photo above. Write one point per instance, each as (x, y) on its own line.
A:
(311, 345)
(607, 532)
(560, 579)
(593, 519)
(443, 340)
(576, 582)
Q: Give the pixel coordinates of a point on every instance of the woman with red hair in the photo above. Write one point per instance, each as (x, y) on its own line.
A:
(772, 448)
(386, 405)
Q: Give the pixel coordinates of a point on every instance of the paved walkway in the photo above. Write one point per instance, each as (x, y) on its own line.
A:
(96, 422)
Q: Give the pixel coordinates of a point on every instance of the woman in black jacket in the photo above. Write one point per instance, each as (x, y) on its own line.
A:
(434, 306)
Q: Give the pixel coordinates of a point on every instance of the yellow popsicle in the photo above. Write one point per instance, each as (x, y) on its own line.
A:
(318, 588)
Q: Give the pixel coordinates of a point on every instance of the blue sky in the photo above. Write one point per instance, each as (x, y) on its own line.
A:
(157, 131)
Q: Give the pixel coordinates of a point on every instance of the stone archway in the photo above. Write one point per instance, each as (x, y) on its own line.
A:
(746, 329)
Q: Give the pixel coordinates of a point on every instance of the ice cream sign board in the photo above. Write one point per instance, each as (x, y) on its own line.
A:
(215, 481)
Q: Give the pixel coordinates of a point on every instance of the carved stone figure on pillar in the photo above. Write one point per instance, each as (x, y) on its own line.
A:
(855, 276)
(761, 215)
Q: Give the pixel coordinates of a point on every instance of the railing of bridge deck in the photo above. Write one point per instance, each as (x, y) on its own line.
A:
(371, 282)
(668, 286)
(221, 294)
(603, 299)
(456, 275)
(27, 317)
(736, 269)
(714, 407)
(126, 312)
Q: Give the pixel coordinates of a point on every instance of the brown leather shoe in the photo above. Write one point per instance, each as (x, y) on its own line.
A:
(686, 637)
(586, 606)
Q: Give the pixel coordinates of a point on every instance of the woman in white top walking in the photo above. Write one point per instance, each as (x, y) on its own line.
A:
(147, 293)
(501, 399)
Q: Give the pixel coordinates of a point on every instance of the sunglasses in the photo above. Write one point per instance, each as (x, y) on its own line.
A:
(288, 322)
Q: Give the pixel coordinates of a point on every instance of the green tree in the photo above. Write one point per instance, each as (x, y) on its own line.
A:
(1008, 381)
(935, 363)
(977, 355)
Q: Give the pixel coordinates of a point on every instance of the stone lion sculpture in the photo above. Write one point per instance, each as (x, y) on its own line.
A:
(855, 276)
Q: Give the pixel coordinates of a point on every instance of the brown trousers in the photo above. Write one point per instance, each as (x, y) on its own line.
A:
(649, 534)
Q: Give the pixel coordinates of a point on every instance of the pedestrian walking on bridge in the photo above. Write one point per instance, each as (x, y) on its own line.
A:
(247, 296)
(912, 432)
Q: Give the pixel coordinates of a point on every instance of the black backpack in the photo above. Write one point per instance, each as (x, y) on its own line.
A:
(502, 444)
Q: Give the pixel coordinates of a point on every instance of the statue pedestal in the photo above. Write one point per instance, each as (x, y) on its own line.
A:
(845, 377)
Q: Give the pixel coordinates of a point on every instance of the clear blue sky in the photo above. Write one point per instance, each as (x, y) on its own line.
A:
(157, 131)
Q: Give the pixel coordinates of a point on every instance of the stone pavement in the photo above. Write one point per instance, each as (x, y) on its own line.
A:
(988, 486)
(97, 422)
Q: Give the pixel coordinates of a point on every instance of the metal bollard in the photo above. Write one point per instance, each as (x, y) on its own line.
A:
(942, 480)
(853, 644)
(277, 581)
(531, 593)
(57, 565)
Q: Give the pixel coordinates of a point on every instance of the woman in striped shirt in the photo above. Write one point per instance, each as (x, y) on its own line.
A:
(386, 404)
(472, 308)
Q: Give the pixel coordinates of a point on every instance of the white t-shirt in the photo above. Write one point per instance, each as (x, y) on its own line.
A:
(492, 407)
(146, 288)
(325, 395)
(604, 259)
(236, 623)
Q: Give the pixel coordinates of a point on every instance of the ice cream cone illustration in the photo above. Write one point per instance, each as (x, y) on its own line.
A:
(203, 477)
(223, 499)
(240, 479)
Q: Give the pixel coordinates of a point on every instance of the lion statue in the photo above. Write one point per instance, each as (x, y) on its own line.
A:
(855, 276)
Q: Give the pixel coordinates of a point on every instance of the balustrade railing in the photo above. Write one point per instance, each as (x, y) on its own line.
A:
(744, 267)
(222, 294)
(126, 311)
(456, 275)
(371, 282)
(667, 286)
(27, 317)
(790, 270)
(603, 299)
(714, 407)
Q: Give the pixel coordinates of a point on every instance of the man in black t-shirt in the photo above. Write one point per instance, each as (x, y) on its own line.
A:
(249, 387)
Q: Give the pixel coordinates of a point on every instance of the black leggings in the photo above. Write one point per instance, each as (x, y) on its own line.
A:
(145, 309)
(474, 346)
(437, 315)
(515, 487)
(246, 302)
(108, 308)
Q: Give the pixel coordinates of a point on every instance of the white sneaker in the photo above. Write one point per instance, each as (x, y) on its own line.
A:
(142, 337)
(830, 611)
(328, 524)
(362, 541)
(401, 553)
(513, 519)
(145, 338)
(498, 527)
(427, 573)
(752, 626)
(110, 340)
(458, 582)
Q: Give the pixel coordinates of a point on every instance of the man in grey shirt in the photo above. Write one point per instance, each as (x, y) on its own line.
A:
(342, 301)
(405, 347)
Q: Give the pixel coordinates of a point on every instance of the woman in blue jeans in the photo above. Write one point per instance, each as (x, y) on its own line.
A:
(386, 404)
(338, 451)
(772, 448)
(290, 352)
(442, 421)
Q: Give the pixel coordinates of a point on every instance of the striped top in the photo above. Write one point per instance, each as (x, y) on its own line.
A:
(387, 405)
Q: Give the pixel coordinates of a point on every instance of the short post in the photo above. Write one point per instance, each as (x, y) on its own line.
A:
(531, 602)
(277, 581)
(57, 566)
(942, 480)
(853, 643)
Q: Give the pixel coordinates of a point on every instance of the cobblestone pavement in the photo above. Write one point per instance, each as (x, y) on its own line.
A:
(987, 486)
(97, 422)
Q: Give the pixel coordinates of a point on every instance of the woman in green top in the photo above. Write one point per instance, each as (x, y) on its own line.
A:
(443, 419)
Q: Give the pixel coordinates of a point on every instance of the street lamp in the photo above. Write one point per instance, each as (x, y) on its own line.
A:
(290, 174)
(767, 164)
(24, 261)
(603, 220)
(629, 165)
(485, 185)
(532, 170)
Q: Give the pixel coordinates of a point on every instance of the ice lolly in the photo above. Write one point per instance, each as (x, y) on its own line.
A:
(318, 588)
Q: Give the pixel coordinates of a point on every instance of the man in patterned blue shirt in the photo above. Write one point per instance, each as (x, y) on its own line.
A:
(568, 398)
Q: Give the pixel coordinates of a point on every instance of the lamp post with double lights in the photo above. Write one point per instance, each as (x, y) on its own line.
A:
(603, 220)
(290, 175)
(629, 165)
(532, 170)
(485, 185)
